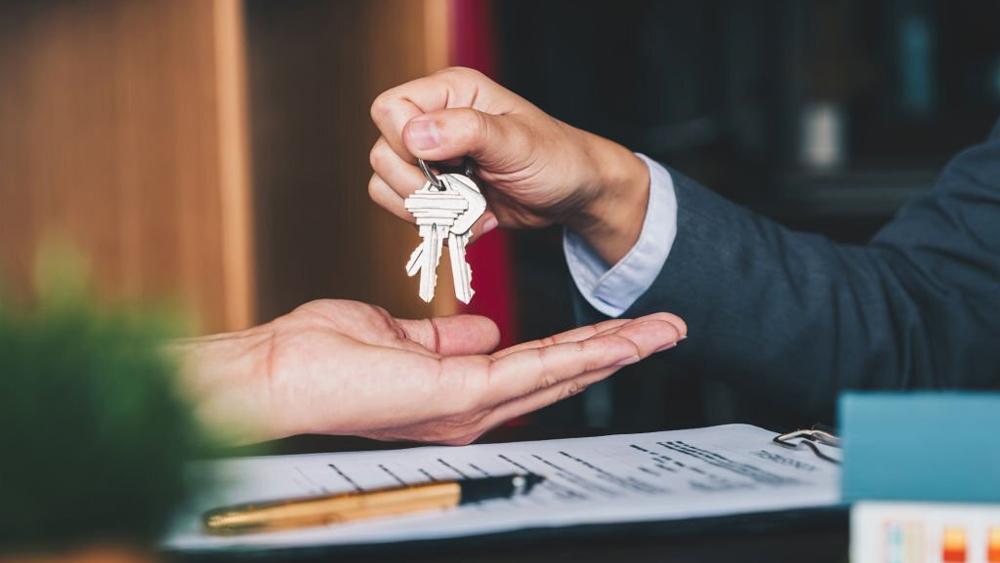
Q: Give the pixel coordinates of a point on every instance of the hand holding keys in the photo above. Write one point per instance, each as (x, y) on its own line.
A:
(446, 206)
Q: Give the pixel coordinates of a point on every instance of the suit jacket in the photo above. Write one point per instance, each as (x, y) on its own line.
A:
(799, 318)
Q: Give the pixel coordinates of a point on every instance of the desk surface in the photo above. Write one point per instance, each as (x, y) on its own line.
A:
(821, 537)
(819, 543)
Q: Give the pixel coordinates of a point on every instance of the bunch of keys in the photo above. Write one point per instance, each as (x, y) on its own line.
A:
(445, 207)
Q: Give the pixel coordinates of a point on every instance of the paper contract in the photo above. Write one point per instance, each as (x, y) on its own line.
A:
(680, 474)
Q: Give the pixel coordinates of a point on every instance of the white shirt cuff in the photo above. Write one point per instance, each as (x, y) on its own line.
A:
(613, 290)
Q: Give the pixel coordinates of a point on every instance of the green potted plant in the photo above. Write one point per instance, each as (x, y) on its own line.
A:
(94, 430)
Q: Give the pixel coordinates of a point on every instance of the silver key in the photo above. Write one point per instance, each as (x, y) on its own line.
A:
(461, 272)
(477, 203)
(435, 207)
(458, 237)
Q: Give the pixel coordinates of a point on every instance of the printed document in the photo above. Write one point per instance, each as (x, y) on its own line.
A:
(716, 471)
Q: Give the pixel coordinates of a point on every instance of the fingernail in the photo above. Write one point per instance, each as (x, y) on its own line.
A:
(424, 134)
(669, 345)
(489, 224)
(628, 360)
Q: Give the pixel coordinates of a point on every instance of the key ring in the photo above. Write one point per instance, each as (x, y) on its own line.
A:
(470, 168)
(434, 180)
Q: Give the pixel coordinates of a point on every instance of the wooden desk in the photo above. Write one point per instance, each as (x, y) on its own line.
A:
(816, 543)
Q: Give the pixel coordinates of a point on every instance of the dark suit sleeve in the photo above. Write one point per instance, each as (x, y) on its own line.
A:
(800, 318)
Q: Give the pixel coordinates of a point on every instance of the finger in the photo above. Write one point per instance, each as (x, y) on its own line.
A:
(527, 371)
(458, 132)
(394, 108)
(679, 324)
(543, 398)
(465, 387)
(584, 332)
(387, 198)
(455, 335)
(404, 178)
(650, 334)
(483, 225)
(395, 176)
(574, 335)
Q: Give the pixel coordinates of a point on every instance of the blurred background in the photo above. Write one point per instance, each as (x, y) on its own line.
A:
(217, 150)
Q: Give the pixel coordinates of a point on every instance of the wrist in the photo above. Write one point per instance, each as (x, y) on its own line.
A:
(226, 377)
(611, 221)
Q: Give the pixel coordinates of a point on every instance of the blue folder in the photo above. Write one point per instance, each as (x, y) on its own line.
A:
(935, 446)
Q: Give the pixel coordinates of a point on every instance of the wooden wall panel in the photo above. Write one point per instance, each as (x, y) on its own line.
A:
(122, 131)
(314, 69)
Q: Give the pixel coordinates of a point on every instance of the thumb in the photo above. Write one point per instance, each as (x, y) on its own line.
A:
(457, 335)
(458, 132)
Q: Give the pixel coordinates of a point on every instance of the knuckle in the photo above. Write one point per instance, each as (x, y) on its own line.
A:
(476, 121)
(381, 313)
(461, 72)
(373, 188)
(322, 307)
(455, 71)
(318, 304)
(381, 106)
(379, 155)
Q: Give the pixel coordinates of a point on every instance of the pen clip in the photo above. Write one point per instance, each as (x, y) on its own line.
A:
(809, 438)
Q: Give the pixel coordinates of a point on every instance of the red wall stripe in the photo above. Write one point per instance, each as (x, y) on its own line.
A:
(473, 45)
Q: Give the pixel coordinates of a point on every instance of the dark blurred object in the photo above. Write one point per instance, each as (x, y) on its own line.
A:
(719, 87)
(823, 115)
(95, 430)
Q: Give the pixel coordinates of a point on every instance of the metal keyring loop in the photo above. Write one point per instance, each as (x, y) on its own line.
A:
(434, 180)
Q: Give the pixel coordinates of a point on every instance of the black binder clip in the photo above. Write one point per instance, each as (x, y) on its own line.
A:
(809, 438)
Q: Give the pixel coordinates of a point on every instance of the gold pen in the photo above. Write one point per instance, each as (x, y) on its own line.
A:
(347, 507)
